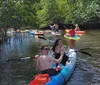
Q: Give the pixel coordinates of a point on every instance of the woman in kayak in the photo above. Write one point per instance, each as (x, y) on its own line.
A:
(56, 30)
(77, 28)
(72, 34)
(57, 48)
(43, 61)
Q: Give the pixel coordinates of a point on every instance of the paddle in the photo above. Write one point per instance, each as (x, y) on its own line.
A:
(82, 51)
(19, 59)
(25, 58)
(85, 49)
(42, 37)
(45, 39)
(79, 50)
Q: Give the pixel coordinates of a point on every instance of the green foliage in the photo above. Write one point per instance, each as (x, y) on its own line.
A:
(40, 13)
(47, 13)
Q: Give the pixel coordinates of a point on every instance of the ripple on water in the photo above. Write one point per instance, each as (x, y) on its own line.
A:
(19, 73)
(77, 78)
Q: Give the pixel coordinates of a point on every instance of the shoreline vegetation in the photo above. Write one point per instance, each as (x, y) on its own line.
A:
(38, 14)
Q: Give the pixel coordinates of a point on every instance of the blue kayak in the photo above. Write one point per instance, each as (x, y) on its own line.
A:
(62, 77)
(66, 72)
(36, 33)
(31, 33)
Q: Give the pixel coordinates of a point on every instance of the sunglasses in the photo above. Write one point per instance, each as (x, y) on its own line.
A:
(46, 49)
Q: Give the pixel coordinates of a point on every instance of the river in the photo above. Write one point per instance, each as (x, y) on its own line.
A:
(14, 71)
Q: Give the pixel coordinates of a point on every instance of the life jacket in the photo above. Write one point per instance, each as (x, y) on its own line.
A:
(40, 79)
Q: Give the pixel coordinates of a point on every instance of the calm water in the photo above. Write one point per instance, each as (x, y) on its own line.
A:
(20, 72)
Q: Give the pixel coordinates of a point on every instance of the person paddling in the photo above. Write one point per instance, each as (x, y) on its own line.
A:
(72, 34)
(51, 27)
(77, 28)
(56, 30)
(43, 61)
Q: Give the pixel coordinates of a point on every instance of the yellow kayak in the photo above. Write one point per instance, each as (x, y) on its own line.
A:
(74, 37)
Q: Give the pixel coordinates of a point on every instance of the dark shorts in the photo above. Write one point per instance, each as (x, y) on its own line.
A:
(51, 72)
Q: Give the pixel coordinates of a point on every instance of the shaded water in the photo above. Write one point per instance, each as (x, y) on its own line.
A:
(87, 70)
(21, 72)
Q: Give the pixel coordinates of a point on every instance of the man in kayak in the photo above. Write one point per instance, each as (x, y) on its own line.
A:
(51, 27)
(56, 30)
(43, 61)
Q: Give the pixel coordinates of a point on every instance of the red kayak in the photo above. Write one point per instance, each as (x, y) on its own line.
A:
(36, 33)
(78, 32)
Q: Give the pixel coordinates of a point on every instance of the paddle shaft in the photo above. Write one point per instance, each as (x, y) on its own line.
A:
(45, 38)
(20, 59)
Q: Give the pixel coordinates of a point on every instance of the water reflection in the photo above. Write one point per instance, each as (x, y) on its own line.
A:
(87, 71)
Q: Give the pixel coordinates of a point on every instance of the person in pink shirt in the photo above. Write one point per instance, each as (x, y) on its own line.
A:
(44, 61)
(71, 32)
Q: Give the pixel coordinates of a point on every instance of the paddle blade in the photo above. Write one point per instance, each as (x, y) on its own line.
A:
(25, 58)
(42, 37)
(85, 49)
(86, 53)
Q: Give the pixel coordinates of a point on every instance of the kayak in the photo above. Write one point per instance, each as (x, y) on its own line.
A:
(62, 77)
(36, 33)
(31, 33)
(78, 32)
(55, 33)
(74, 37)
(22, 31)
(66, 72)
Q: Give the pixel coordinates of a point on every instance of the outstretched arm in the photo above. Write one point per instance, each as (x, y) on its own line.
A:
(52, 59)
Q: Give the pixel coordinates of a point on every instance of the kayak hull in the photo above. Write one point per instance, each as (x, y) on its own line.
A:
(66, 72)
(80, 32)
(33, 33)
(74, 37)
(77, 32)
(56, 33)
(62, 77)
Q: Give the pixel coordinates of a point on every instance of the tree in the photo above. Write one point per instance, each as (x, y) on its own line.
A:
(48, 12)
